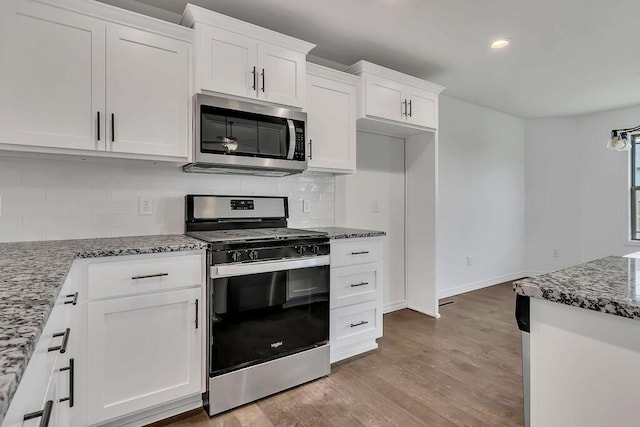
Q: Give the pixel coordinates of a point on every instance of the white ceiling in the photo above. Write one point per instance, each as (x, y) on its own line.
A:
(568, 57)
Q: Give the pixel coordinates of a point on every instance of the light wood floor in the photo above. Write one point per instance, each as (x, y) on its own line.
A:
(461, 370)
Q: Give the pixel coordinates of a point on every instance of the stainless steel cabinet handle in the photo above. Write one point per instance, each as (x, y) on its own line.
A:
(262, 79)
(255, 78)
(353, 325)
(148, 276)
(196, 314)
(355, 285)
(410, 109)
(71, 369)
(65, 340)
(113, 127)
(74, 301)
(404, 104)
(360, 253)
(98, 132)
(44, 415)
(310, 149)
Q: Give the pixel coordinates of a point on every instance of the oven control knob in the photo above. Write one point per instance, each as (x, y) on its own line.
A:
(314, 249)
(236, 256)
(301, 250)
(253, 254)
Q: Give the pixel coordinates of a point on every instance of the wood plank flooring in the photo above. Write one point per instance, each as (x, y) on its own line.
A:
(461, 370)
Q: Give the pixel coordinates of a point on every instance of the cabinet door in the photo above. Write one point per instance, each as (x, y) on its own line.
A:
(227, 62)
(331, 124)
(142, 351)
(281, 74)
(148, 94)
(383, 98)
(422, 108)
(53, 77)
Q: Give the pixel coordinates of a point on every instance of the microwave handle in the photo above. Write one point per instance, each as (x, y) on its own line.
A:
(292, 139)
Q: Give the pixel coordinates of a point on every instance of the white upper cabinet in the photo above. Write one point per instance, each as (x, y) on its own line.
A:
(331, 120)
(241, 59)
(147, 93)
(393, 103)
(52, 77)
(67, 74)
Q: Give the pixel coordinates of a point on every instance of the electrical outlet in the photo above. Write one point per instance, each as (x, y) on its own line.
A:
(375, 206)
(306, 206)
(556, 253)
(468, 261)
(145, 206)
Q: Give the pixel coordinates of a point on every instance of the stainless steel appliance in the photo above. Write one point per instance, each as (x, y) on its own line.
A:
(523, 321)
(240, 137)
(268, 298)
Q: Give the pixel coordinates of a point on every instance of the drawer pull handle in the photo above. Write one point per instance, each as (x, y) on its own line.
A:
(71, 369)
(355, 285)
(353, 325)
(44, 415)
(149, 276)
(360, 253)
(74, 301)
(65, 340)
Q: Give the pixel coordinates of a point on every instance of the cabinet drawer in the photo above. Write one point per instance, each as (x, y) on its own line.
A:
(355, 323)
(356, 251)
(355, 284)
(130, 277)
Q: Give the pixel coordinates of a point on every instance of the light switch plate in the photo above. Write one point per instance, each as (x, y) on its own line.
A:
(306, 206)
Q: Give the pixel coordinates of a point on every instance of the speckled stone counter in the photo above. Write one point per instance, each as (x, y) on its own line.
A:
(31, 276)
(608, 285)
(349, 233)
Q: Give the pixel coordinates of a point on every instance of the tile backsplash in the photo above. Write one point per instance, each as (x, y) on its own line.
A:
(51, 199)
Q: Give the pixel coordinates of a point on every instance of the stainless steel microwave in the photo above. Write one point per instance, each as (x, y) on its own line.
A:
(234, 136)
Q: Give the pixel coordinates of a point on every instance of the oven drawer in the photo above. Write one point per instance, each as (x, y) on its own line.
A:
(356, 251)
(355, 323)
(356, 284)
(135, 276)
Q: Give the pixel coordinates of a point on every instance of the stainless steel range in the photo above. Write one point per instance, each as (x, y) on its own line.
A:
(268, 298)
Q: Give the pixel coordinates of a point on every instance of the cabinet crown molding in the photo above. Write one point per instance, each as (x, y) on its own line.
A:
(109, 13)
(332, 73)
(195, 15)
(367, 67)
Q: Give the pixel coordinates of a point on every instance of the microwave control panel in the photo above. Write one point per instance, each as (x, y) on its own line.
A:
(299, 153)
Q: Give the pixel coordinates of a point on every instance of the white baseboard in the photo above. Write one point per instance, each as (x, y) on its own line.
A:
(446, 293)
(532, 273)
(159, 413)
(394, 306)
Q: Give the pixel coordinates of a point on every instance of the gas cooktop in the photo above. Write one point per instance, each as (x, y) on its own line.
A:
(246, 235)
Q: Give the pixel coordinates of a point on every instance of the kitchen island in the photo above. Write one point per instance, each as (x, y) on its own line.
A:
(584, 344)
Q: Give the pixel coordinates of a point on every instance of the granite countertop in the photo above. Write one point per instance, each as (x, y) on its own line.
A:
(31, 276)
(609, 285)
(348, 233)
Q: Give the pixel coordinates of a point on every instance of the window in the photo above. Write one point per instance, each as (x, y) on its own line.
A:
(635, 187)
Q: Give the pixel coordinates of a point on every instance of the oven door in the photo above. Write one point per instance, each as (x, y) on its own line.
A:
(265, 310)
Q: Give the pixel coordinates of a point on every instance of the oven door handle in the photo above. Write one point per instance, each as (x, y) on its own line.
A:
(267, 266)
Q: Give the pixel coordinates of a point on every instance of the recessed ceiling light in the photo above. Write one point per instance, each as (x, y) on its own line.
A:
(500, 44)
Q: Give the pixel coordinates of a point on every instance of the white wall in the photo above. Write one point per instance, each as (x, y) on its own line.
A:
(70, 198)
(481, 197)
(380, 176)
(586, 192)
(553, 194)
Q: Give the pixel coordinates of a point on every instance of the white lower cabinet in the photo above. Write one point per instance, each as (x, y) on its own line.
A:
(144, 338)
(356, 296)
(143, 351)
(40, 390)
